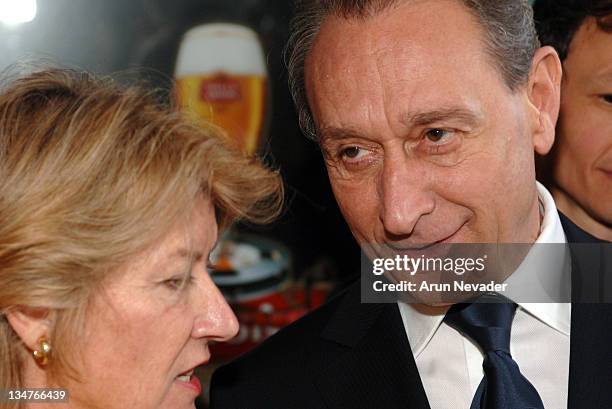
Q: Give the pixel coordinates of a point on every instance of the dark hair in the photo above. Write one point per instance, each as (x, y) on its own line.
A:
(510, 38)
(558, 20)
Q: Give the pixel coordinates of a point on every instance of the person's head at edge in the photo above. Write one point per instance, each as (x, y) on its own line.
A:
(428, 114)
(579, 168)
(110, 206)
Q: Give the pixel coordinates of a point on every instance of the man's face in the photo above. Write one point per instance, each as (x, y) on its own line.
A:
(583, 161)
(423, 141)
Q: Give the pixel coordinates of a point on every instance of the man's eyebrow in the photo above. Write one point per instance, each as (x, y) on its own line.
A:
(332, 132)
(456, 114)
(462, 115)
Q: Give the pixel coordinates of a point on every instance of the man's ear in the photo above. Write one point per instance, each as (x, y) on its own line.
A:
(544, 92)
(30, 324)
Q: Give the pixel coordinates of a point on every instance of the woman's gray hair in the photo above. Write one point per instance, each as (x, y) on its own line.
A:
(510, 38)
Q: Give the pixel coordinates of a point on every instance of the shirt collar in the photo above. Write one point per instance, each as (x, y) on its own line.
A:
(551, 230)
(545, 273)
(421, 322)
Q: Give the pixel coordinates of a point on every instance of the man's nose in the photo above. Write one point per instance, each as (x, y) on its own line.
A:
(405, 195)
(216, 320)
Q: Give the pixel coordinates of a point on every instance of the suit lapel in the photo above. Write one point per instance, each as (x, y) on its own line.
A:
(368, 362)
(590, 377)
(373, 366)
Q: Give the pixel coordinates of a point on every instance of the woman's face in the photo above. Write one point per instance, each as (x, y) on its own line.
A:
(145, 332)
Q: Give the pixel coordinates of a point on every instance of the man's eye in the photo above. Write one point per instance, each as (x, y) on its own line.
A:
(607, 98)
(439, 141)
(436, 135)
(351, 152)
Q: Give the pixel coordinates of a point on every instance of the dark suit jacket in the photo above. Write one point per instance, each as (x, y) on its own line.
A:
(352, 355)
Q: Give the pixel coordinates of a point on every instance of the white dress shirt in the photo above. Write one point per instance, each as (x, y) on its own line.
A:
(450, 365)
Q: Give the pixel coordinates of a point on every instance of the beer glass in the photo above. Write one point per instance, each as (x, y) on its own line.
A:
(221, 76)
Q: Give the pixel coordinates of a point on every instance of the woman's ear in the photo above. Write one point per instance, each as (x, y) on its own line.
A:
(30, 324)
(544, 93)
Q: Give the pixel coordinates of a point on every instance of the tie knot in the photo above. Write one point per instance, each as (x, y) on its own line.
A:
(487, 324)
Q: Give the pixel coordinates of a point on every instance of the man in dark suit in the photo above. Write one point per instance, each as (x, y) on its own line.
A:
(428, 114)
(581, 160)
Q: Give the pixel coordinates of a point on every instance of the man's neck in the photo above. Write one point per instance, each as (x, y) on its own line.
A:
(569, 207)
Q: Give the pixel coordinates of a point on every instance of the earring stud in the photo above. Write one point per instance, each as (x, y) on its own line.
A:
(42, 355)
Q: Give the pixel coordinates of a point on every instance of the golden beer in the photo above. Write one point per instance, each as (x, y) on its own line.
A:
(221, 77)
(234, 102)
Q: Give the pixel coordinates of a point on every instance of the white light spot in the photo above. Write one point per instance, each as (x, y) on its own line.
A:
(13, 12)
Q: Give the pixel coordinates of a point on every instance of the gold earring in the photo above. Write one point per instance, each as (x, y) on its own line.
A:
(42, 355)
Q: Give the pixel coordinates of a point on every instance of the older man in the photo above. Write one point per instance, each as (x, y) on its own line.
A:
(428, 114)
(581, 32)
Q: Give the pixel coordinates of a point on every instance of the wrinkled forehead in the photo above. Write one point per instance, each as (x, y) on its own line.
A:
(434, 19)
(425, 32)
(421, 51)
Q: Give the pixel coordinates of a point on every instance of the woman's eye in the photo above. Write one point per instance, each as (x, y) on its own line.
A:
(607, 98)
(177, 282)
(436, 135)
(174, 283)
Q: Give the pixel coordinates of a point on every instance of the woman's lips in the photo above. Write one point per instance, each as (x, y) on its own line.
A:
(190, 381)
(195, 383)
(607, 172)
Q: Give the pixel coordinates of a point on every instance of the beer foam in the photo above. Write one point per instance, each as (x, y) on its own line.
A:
(220, 47)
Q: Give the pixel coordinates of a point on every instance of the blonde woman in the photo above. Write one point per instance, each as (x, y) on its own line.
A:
(110, 205)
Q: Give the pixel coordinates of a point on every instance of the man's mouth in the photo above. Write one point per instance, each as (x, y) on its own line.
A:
(411, 247)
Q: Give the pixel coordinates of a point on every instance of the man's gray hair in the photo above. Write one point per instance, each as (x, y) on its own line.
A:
(510, 38)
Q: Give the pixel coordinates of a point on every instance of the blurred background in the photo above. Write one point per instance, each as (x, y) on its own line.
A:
(271, 275)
